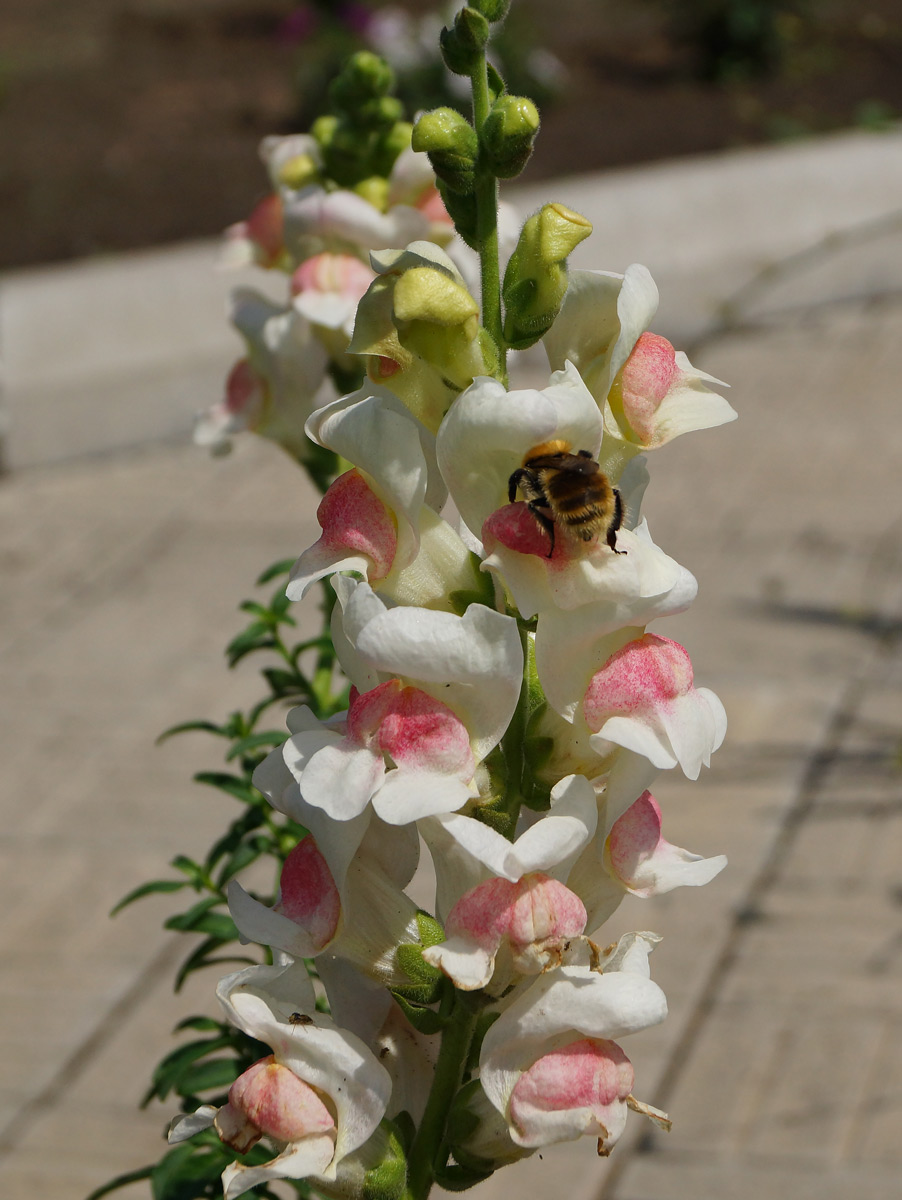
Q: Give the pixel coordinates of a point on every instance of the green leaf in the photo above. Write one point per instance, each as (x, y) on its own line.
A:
(216, 925)
(121, 1181)
(171, 1070)
(282, 567)
(202, 957)
(186, 920)
(148, 889)
(190, 1171)
(250, 819)
(273, 737)
(424, 1020)
(254, 608)
(200, 1023)
(455, 1178)
(246, 853)
(188, 726)
(218, 1073)
(193, 870)
(232, 784)
(257, 636)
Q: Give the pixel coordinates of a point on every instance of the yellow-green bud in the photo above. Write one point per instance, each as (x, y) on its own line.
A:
(365, 76)
(508, 135)
(428, 294)
(452, 146)
(297, 172)
(388, 1179)
(536, 277)
(462, 47)
(374, 189)
(323, 129)
(378, 113)
(392, 143)
(492, 10)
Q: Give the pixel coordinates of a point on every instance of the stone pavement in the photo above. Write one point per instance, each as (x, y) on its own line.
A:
(781, 1061)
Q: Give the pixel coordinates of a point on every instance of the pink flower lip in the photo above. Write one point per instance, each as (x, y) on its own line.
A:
(645, 380)
(634, 837)
(514, 527)
(271, 1100)
(341, 273)
(412, 728)
(244, 392)
(534, 911)
(591, 1074)
(309, 895)
(648, 672)
(354, 520)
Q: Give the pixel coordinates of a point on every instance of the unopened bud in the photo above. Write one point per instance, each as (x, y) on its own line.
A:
(492, 10)
(509, 133)
(375, 190)
(392, 143)
(379, 113)
(462, 47)
(365, 76)
(535, 281)
(452, 146)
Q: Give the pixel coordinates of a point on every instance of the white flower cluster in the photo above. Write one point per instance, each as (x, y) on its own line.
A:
(502, 669)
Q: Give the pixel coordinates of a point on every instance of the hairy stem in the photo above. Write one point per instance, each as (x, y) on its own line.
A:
(429, 1152)
(487, 222)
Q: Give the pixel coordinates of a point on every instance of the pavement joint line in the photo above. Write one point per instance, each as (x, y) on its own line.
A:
(80, 1058)
(746, 912)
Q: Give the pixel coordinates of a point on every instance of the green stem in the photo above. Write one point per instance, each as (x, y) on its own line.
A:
(487, 223)
(512, 746)
(428, 1152)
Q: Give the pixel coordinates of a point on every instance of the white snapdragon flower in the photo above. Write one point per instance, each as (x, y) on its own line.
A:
(551, 1064)
(649, 392)
(276, 386)
(282, 1097)
(433, 694)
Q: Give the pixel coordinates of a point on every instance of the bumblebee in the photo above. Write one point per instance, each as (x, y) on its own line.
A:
(568, 492)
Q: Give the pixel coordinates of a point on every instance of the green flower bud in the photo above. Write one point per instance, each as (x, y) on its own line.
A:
(462, 47)
(536, 277)
(323, 129)
(508, 135)
(492, 10)
(379, 113)
(392, 143)
(388, 1179)
(452, 146)
(375, 189)
(297, 172)
(365, 76)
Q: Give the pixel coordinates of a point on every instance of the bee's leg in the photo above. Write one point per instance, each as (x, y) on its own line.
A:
(544, 520)
(616, 522)
(514, 482)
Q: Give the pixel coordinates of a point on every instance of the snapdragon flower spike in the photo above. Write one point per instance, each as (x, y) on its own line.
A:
(576, 1005)
(489, 431)
(533, 919)
(334, 1102)
(649, 392)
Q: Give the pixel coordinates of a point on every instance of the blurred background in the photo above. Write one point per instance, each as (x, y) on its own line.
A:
(126, 123)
